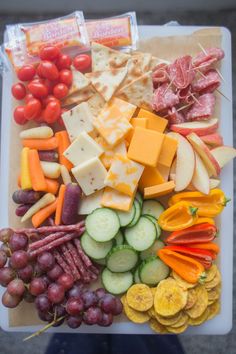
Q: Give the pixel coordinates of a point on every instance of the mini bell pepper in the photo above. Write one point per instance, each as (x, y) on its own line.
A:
(202, 220)
(209, 205)
(24, 169)
(198, 233)
(186, 267)
(210, 246)
(178, 217)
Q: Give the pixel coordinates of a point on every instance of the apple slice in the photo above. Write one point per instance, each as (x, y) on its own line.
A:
(213, 140)
(209, 160)
(214, 183)
(185, 162)
(223, 154)
(199, 127)
(200, 178)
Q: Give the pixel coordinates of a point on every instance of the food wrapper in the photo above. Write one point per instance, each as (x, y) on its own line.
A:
(118, 32)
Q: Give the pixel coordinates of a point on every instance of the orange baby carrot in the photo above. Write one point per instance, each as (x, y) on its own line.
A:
(43, 214)
(36, 172)
(40, 144)
(60, 202)
(63, 144)
(52, 186)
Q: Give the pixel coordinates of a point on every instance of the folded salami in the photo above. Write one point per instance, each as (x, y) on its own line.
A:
(164, 97)
(202, 109)
(207, 84)
(181, 72)
(160, 74)
(204, 60)
(175, 117)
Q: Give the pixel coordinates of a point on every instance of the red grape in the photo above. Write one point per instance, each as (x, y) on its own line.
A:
(5, 234)
(19, 259)
(89, 298)
(74, 306)
(42, 303)
(45, 316)
(10, 301)
(6, 275)
(76, 291)
(74, 321)
(66, 280)
(4, 247)
(3, 258)
(106, 320)
(46, 280)
(58, 323)
(16, 287)
(28, 297)
(46, 261)
(18, 242)
(55, 272)
(56, 293)
(92, 316)
(118, 308)
(37, 270)
(37, 286)
(26, 273)
(100, 292)
(108, 303)
(59, 310)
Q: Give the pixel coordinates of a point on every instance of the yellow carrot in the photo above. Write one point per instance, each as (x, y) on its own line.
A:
(43, 214)
(60, 202)
(36, 172)
(25, 171)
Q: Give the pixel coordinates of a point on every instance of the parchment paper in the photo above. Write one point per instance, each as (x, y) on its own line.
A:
(168, 48)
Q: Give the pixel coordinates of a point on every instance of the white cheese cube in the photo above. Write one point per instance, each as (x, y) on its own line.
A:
(90, 203)
(90, 175)
(77, 120)
(82, 149)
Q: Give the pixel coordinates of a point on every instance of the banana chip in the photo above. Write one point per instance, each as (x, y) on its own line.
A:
(170, 298)
(133, 315)
(214, 294)
(182, 320)
(168, 321)
(214, 282)
(151, 312)
(181, 282)
(156, 326)
(199, 320)
(139, 297)
(191, 299)
(201, 304)
(211, 273)
(214, 310)
(177, 330)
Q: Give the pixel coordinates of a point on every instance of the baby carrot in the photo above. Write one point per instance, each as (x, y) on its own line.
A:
(40, 144)
(63, 144)
(60, 202)
(43, 214)
(36, 172)
(51, 185)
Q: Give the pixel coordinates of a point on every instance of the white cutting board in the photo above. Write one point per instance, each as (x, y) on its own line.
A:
(222, 323)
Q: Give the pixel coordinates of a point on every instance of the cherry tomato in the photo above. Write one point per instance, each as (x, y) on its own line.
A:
(82, 62)
(19, 115)
(60, 91)
(18, 91)
(26, 73)
(49, 98)
(28, 97)
(52, 112)
(38, 89)
(49, 52)
(50, 84)
(32, 109)
(65, 77)
(63, 62)
(48, 70)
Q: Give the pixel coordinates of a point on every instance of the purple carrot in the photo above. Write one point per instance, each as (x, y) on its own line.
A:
(48, 155)
(72, 198)
(81, 253)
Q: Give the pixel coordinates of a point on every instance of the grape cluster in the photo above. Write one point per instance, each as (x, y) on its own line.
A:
(56, 296)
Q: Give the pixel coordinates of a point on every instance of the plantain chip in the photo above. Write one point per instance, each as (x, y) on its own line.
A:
(156, 326)
(214, 294)
(214, 309)
(181, 282)
(133, 315)
(168, 321)
(199, 320)
(210, 273)
(214, 282)
(151, 312)
(191, 299)
(182, 320)
(201, 304)
(170, 298)
(139, 297)
(177, 330)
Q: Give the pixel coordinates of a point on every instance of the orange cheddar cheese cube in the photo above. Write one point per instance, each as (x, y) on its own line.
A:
(154, 121)
(168, 151)
(164, 171)
(150, 177)
(145, 146)
(136, 122)
(159, 190)
(116, 200)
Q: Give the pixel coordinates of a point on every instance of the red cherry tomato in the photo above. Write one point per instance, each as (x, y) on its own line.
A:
(32, 109)
(38, 89)
(28, 97)
(26, 73)
(48, 70)
(50, 84)
(49, 52)
(82, 62)
(52, 112)
(63, 62)
(60, 91)
(18, 91)
(65, 77)
(49, 98)
(19, 115)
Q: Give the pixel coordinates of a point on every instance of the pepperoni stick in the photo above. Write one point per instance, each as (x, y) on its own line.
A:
(61, 262)
(70, 261)
(77, 260)
(94, 269)
(50, 229)
(46, 240)
(83, 256)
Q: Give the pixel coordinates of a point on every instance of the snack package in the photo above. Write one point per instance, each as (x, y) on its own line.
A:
(119, 31)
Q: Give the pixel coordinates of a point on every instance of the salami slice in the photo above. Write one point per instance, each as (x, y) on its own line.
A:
(204, 60)
(208, 83)
(203, 109)
(175, 117)
(160, 74)
(185, 95)
(163, 98)
(181, 72)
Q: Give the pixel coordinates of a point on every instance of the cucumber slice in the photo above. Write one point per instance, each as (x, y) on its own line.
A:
(94, 249)
(139, 198)
(142, 235)
(116, 283)
(155, 222)
(121, 259)
(102, 224)
(126, 217)
(137, 215)
(119, 239)
(100, 261)
(152, 207)
(153, 270)
(137, 279)
(152, 251)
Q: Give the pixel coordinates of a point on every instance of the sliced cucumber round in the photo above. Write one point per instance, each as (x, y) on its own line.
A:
(152, 207)
(137, 215)
(152, 251)
(126, 217)
(137, 279)
(116, 283)
(121, 259)
(94, 249)
(118, 239)
(142, 235)
(102, 224)
(153, 270)
(155, 221)
(139, 198)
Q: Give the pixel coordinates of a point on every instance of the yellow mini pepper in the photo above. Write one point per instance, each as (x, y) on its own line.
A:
(203, 220)
(178, 217)
(209, 205)
(24, 167)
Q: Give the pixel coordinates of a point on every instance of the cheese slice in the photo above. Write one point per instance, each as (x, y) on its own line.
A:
(82, 149)
(154, 121)
(159, 190)
(109, 152)
(116, 200)
(150, 177)
(90, 175)
(77, 120)
(90, 203)
(124, 175)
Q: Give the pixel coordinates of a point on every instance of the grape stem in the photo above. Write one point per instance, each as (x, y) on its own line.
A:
(44, 328)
